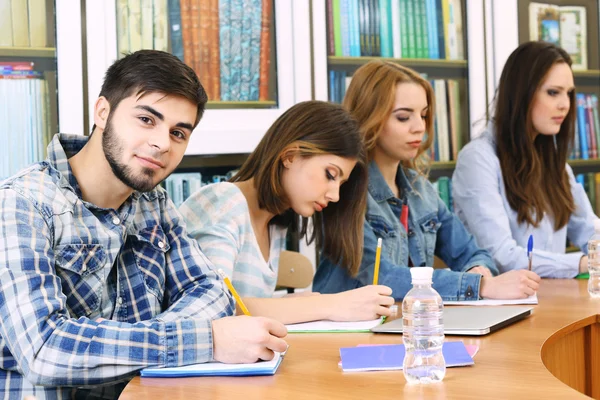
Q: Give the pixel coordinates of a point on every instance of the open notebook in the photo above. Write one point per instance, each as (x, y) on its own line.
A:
(491, 302)
(216, 369)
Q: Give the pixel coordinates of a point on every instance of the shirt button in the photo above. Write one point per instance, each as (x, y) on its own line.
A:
(161, 245)
(120, 300)
(469, 292)
(84, 268)
(116, 221)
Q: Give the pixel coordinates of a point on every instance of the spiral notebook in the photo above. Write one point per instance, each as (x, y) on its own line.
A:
(216, 369)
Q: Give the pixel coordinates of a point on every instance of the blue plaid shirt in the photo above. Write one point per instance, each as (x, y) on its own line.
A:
(65, 262)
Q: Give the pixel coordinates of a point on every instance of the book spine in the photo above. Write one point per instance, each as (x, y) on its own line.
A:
(337, 27)
(592, 128)
(20, 24)
(384, 32)
(265, 49)
(186, 32)
(412, 40)
(583, 142)
(161, 23)
(37, 23)
(440, 29)
(225, 47)
(202, 43)
(330, 30)
(396, 29)
(236, 49)
(175, 29)
(255, 49)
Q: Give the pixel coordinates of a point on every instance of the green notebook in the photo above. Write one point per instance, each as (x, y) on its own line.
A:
(583, 276)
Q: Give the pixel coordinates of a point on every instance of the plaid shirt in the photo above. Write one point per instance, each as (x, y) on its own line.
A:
(65, 262)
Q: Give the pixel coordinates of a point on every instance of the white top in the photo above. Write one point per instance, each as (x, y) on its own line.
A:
(480, 202)
(217, 216)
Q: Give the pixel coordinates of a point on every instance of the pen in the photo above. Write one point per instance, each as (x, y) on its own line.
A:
(377, 260)
(234, 292)
(530, 250)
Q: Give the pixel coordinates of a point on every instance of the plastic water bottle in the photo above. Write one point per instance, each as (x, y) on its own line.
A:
(423, 330)
(594, 261)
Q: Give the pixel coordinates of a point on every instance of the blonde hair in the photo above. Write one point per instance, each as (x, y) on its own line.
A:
(370, 99)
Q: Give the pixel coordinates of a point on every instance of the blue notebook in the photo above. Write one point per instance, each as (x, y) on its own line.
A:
(216, 369)
(390, 357)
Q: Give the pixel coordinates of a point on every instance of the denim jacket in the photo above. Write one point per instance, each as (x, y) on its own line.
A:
(432, 230)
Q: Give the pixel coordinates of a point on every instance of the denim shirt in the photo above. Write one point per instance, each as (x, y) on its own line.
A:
(432, 230)
(480, 201)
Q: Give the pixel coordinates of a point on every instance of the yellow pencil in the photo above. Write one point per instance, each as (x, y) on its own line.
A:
(377, 260)
(234, 292)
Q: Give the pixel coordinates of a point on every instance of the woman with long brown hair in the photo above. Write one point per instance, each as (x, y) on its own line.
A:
(514, 181)
(394, 107)
(310, 164)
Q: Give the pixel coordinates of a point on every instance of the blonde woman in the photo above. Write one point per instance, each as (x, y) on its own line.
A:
(394, 108)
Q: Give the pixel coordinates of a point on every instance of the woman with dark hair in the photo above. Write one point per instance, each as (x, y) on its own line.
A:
(514, 180)
(309, 164)
(394, 108)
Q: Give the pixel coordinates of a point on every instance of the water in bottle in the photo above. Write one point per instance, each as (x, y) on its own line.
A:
(594, 261)
(423, 331)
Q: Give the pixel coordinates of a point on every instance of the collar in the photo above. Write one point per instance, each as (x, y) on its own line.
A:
(378, 187)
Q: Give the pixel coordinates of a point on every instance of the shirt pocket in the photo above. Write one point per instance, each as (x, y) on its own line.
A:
(384, 230)
(79, 267)
(430, 225)
(150, 248)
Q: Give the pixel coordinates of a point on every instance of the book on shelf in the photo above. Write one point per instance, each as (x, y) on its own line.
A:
(565, 26)
(421, 29)
(26, 113)
(587, 128)
(226, 42)
(591, 185)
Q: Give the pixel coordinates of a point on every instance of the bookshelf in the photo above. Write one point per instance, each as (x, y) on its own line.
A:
(227, 127)
(434, 65)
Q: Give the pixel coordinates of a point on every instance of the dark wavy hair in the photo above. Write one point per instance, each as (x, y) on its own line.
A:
(533, 166)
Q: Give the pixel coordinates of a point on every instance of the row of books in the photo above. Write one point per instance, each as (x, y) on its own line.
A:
(25, 120)
(23, 23)
(564, 26)
(448, 127)
(587, 128)
(591, 185)
(227, 42)
(430, 29)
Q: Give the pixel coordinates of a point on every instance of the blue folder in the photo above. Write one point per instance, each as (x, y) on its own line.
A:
(390, 357)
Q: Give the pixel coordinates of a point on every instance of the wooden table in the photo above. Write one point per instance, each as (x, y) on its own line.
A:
(563, 333)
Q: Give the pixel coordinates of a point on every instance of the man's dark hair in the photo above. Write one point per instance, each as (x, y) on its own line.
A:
(151, 71)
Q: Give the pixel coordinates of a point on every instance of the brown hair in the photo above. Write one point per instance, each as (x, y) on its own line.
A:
(151, 71)
(311, 128)
(370, 99)
(533, 166)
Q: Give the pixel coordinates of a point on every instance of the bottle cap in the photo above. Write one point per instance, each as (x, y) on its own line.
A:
(421, 274)
(597, 225)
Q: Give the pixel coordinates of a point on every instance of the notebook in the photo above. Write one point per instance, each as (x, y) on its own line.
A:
(492, 302)
(333, 326)
(469, 320)
(216, 369)
(390, 357)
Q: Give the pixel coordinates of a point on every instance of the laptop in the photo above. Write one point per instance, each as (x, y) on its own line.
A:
(469, 320)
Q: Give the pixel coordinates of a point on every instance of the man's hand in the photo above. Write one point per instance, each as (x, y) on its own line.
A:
(245, 339)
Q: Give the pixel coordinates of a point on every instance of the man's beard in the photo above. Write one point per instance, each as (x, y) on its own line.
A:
(113, 151)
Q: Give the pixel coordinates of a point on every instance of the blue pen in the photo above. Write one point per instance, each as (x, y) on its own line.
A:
(530, 250)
